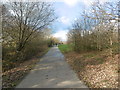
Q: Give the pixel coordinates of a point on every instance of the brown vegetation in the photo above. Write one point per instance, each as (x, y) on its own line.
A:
(96, 69)
(12, 77)
(94, 41)
(25, 34)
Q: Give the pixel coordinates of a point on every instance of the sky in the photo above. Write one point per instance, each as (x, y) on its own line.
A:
(68, 11)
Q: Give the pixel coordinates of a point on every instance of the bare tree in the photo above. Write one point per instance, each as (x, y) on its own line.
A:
(96, 29)
(26, 19)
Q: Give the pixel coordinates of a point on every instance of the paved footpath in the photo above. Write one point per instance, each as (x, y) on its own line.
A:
(52, 72)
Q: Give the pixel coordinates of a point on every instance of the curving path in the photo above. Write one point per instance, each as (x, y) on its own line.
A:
(52, 72)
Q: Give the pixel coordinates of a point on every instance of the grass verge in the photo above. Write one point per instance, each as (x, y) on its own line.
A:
(64, 48)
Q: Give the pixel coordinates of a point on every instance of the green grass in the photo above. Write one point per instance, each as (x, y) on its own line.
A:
(64, 48)
(115, 48)
(89, 55)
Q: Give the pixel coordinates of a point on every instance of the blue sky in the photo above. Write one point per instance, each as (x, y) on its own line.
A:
(66, 14)
(68, 11)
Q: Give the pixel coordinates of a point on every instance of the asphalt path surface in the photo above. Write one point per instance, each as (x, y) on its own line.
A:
(52, 72)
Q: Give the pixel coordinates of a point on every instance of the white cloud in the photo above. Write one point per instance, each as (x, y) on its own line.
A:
(61, 34)
(71, 2)
(103, 1)
(75, 18)
(64, 20)
(74, 2)
(87, 2)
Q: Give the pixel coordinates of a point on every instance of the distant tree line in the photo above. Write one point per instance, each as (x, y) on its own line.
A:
(54, 41)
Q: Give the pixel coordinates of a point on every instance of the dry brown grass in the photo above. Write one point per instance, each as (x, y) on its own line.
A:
(12, 77)
(96, 69)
